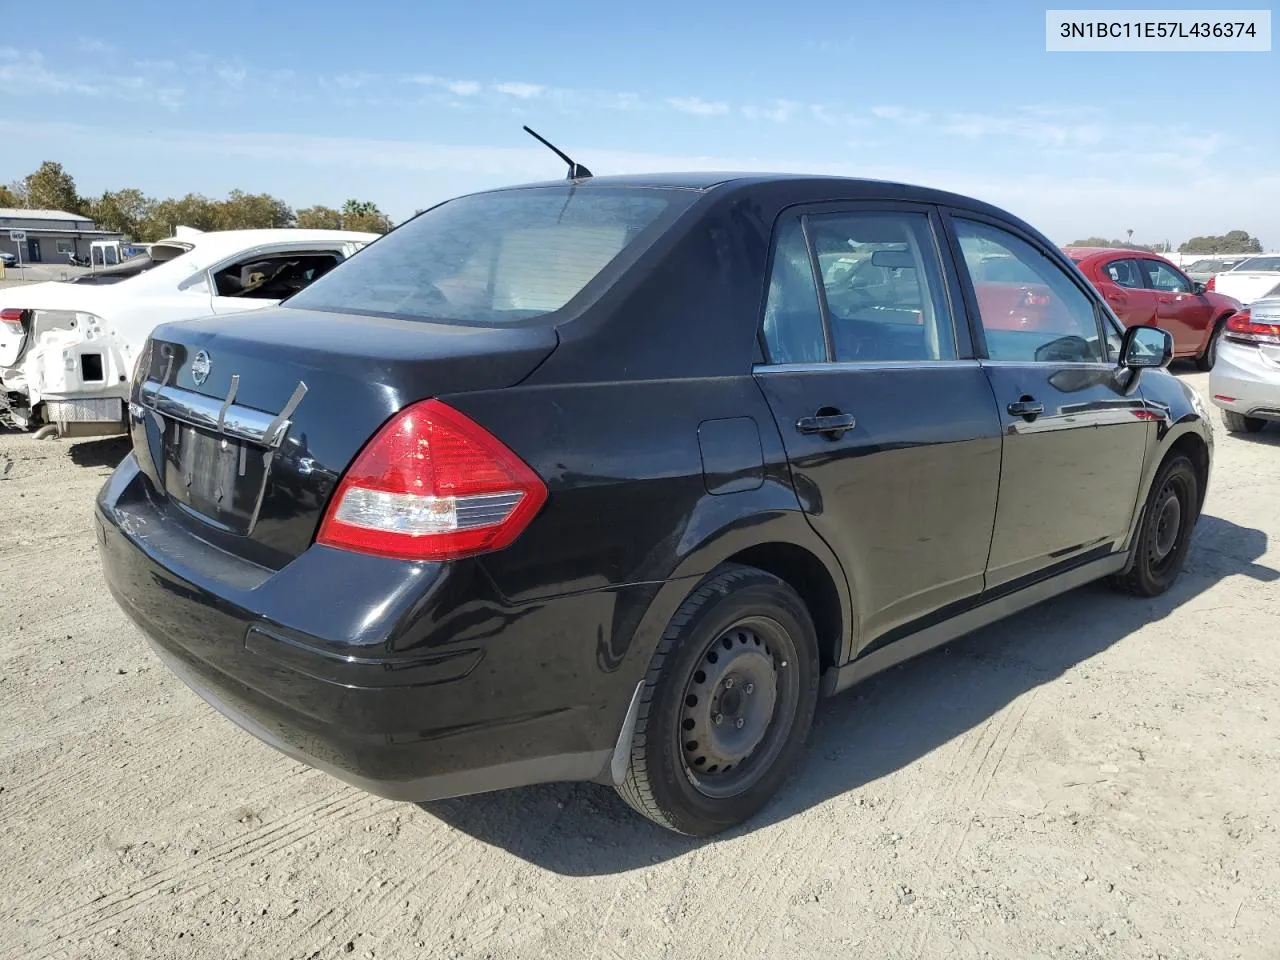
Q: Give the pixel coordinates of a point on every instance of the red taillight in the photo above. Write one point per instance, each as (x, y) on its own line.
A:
(1212, 285)
(1242, 328)
(432, 485)
(12, 320)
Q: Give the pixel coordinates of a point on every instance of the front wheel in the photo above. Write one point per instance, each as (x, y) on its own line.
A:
(727, 704)
(1239, 423)
(1164, 536)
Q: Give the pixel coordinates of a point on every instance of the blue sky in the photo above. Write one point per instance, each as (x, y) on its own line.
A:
(408, 104)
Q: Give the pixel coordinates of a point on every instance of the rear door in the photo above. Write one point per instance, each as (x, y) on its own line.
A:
(1074, 438)
(1179, 309)
(1124, 285)
(888, 422)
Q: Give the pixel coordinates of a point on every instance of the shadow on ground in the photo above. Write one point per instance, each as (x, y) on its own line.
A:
(873, 730)
(100, 453)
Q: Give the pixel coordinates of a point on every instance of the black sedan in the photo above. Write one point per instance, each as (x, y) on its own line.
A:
(611, 478)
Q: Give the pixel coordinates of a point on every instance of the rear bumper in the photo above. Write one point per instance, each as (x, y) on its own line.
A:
(1245, 381)
(413, 682)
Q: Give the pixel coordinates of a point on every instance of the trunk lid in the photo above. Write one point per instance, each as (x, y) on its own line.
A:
(245, 422)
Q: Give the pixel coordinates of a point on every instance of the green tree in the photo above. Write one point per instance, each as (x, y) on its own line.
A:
(193, 210)
(320, 218)
(252, 211)
(1233, 241)
(9, 197)
(125, 211)
(1104, 242)
(364, 216)
(52, 188)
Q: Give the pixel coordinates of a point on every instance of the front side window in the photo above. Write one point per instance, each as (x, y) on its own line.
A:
(1164, 278)
(493, 258)
(1124, 273)
(883, 287)
(1032, 311)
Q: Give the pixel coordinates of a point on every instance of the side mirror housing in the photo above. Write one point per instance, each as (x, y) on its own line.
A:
(1198, 287)
(1146, 347)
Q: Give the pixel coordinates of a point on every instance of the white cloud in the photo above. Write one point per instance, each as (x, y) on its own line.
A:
(164, 65)
(901, 115)
(779, 111)
(233, 75)
(94, 45)
(463, 88)
(698, 107)
(352, 81)
(524, 91)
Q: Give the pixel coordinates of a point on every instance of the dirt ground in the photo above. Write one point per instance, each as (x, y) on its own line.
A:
(1097, 777)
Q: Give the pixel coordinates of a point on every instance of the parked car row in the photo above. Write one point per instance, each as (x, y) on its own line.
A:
(611, 479)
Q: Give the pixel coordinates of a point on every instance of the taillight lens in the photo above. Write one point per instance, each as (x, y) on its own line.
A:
(432, 485)
(12, 319)
(1212, 284)
(1242, 328)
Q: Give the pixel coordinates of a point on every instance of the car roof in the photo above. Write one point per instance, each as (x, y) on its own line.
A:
(840, 188)
(1085, 253)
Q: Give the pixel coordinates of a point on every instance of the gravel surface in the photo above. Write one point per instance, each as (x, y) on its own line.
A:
(1096, 777)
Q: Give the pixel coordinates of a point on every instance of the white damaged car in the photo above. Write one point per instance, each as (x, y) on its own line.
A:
(67, 348)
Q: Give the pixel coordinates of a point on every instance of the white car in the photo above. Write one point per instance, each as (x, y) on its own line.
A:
(67, 348)
(1248, 280)
(1245, 381)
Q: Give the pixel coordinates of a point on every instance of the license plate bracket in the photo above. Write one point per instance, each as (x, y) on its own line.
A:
(220, 478)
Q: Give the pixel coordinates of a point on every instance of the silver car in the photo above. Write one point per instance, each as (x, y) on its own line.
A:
(1245, 381)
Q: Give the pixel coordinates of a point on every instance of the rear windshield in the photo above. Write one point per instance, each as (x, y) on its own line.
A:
(494, 258)
(1265, 264)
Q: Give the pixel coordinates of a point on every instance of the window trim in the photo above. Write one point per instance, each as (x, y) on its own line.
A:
(976, 330)
(951, 294)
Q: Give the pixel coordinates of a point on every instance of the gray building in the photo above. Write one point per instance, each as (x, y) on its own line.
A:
(51, 234)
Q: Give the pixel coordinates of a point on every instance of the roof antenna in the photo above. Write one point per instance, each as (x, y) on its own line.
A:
(576, 170)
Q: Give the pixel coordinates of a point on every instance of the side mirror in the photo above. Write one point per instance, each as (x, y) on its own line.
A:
(1146, 347)
(1198, 287)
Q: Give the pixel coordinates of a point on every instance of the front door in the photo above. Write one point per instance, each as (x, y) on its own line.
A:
(888, 423)
(1179, 309)
(1074, 435)
(33, 250)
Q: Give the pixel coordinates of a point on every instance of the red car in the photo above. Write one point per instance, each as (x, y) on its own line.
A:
(1145, 289)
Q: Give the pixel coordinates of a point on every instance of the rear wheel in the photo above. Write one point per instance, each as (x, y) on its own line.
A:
(1164, 536)
(727, 705)
(1239, 423)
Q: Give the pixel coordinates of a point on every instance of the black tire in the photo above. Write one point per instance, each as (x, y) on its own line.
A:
(1239, 423)
(1207, 359)
(1164, 536)
(740, 623)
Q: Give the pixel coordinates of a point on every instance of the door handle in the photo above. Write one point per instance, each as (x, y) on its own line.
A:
(832, 423)
(1166, 299)
(1026, 408)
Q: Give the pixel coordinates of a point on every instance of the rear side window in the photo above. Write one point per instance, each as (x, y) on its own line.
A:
(493, 258)
(1040, 315)
(883, 287)
(882, 291)
(1124, 273)
(792, 317)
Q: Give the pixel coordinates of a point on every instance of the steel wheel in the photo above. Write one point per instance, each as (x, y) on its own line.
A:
(744, 680)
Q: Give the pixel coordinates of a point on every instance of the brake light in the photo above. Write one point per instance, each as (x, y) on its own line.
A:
(1212, 284)
(12, 318)
(432, 485)
(1242, 328)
